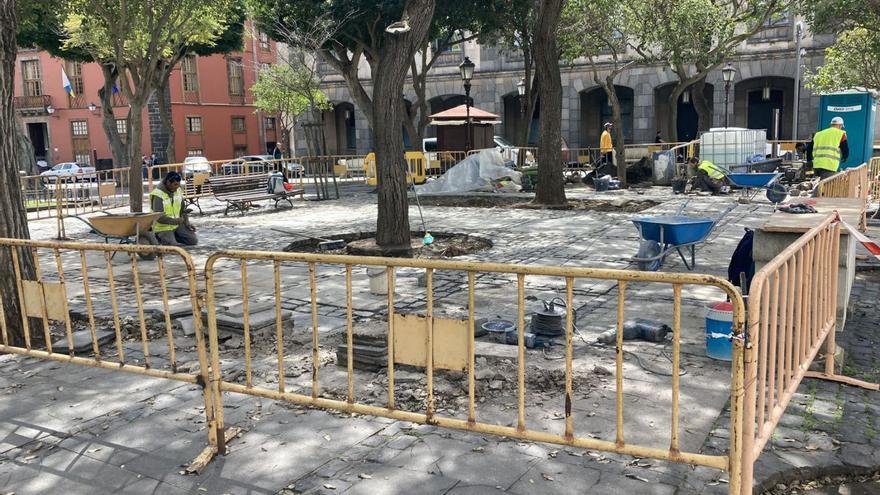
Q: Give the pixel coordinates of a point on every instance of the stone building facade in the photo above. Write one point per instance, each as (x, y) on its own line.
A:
(765, 81)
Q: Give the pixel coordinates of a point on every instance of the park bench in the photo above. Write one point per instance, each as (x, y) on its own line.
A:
(241, 191)
(194, 188)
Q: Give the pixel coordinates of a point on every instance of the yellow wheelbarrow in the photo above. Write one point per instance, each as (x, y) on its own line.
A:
(125, 227)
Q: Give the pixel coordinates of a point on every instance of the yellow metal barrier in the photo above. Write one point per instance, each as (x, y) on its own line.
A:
(874, 179)
(416, 339)
(416, 166)
(792, 314)
(47, 295)
(77, 194)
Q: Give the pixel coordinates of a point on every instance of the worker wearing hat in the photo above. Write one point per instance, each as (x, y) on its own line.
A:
(606, 146)
(173, 227)
(828, 149)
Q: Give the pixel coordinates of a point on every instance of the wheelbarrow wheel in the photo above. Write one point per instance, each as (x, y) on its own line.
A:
(649, 249)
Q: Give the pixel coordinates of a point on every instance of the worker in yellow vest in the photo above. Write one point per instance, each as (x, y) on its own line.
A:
(828, 149)
(173, 227)
(606, 146)
(708, 177)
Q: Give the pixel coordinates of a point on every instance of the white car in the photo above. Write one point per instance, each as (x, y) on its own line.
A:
(196, 165)
(68, 172)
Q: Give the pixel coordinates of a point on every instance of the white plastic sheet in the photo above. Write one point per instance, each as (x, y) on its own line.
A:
(481, 172)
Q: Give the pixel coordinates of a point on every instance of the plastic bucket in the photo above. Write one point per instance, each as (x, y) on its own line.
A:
(378, 280)
(719, 331)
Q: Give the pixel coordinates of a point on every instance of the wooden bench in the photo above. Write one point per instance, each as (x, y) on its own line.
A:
(195, 187)
(241, 191)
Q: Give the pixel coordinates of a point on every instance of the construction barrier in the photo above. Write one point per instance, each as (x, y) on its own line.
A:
(850, 183)
(874, 179)
(433, 342)
(108, 272)
(792, 314)
(74, 194)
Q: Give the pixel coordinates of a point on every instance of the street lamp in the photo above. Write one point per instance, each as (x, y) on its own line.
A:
(521, 90)
(467, 73)
(92, 107)
(799, 34)
(727, 73)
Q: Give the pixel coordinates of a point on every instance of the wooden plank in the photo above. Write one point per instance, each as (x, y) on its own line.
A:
(850, 209)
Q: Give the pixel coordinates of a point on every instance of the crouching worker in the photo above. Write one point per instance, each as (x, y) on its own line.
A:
(173, 227)
(707, 176)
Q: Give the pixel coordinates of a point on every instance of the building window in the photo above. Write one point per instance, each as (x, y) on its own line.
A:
(264, 66)
(195, 152)
(235, 73)
(32, 77)
(122, 127)
(778, 28)
(75, 74)
(190, 74)
(194, 125)
(264, 42)
(83, 158)
(238, 124)
(270, 123)
(79, 128)
(239, 151)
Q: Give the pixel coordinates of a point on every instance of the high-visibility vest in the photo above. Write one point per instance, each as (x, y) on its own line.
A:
(710, 168)
(605, 144)
(826, 149)
(171, 207)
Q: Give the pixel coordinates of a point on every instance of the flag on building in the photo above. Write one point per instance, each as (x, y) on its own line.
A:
(65, 83)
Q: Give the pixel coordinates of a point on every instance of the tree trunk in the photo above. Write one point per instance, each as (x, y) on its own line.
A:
(672, 116)
(704, 112)
(389, 74)
(26, 159)
(13, 222)
(617, 123)
(551, 188)
(135, 169)
(166, 118)
(117, 147)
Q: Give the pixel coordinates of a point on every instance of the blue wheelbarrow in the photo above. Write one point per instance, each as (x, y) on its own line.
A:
(776, 193)
(666, 233)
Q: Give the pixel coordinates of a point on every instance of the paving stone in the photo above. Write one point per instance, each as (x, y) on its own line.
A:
(858, 455)
(82, 341)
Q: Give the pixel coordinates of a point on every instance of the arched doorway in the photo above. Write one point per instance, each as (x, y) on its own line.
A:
(595, 111)
(513, 119)
(765, 103)
(440, 103)
(687, 119)
(340, 129)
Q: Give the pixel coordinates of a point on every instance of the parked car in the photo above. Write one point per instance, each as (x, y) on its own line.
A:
(255, 164)
(196, 165)
(69, 172)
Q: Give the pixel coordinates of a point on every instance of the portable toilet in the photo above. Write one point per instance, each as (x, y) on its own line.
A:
(857, 109)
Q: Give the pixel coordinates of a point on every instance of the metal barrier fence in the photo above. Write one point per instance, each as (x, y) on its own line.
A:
(435, 343)
(120, 281)
(74, 194)
(849, 183)
(874, 179)
(792, 312)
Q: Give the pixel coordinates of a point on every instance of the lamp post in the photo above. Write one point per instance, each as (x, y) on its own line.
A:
(521, 91)
(799, 33)
(467, 73)
(727, 73)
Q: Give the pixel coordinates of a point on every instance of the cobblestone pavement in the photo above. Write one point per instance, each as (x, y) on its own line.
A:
(70, 429)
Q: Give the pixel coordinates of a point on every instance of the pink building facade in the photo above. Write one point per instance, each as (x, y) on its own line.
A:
(212, 108)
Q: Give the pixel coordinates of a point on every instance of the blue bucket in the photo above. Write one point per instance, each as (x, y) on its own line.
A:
(719, 331)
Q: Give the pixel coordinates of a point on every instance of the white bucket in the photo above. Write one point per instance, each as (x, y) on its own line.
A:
(378, 280)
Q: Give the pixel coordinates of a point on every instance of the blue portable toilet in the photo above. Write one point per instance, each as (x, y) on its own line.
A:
(857, 108)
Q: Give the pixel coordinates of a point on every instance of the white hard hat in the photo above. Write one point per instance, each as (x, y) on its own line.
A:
(837, 120)
(607, 124)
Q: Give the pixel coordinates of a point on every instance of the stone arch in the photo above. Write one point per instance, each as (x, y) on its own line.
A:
(688, 121)
(595, 110)
(764, 102)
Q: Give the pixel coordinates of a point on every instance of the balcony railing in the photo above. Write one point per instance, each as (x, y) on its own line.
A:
(32, 104)
(449, 58)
